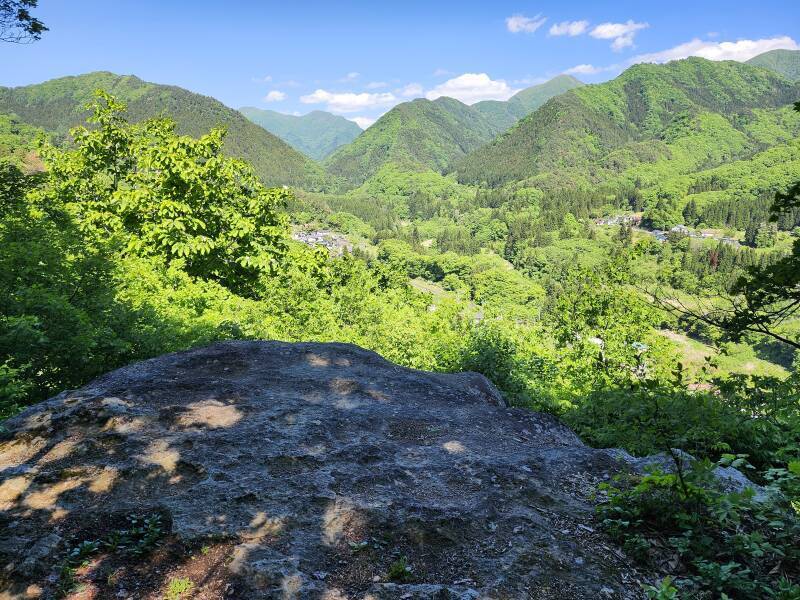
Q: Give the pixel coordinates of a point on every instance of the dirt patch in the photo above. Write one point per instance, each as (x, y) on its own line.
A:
(153, 577)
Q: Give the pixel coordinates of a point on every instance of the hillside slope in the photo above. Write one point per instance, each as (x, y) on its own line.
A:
(504, 114)
(785, 62)
(420, 133)
(635, 117)
(57, 105)
(315, 134)
(432, 134)
(18, 141)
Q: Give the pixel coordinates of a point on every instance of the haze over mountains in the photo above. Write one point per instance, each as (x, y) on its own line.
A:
(429, 133)
(315, 134)
(504, 114)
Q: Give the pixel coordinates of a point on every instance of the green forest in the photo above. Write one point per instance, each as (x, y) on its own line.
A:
(623, 255)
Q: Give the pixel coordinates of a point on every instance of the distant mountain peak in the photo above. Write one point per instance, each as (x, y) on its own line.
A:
(418, 133)
(784, 62)
(504, 114)
(316, 134)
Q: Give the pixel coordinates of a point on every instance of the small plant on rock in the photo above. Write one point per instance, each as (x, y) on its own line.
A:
(399, 570)
(139, 538)
(179, 588)
(144, 533)
(664, 591)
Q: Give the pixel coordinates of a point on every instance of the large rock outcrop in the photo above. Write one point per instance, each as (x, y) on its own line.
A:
(282, 470)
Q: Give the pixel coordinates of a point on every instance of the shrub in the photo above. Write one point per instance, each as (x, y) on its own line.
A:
(723, 544)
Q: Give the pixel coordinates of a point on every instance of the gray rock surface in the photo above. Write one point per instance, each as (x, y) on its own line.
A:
(728, 479)
(323, 464)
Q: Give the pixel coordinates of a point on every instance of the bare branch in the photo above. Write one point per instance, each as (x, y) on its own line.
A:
(712, 318)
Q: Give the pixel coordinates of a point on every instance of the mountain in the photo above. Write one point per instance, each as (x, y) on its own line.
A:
(640, 117)
(58, 105)
(432, 134)
(504, 114)
(785, 62)
(316, 134)
(420, 133)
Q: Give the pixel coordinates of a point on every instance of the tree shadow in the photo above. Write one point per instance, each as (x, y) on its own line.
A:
(296, 470)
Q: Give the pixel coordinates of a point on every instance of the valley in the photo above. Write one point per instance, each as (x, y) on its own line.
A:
(620, 257)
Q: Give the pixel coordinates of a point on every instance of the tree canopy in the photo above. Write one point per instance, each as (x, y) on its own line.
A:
(17, 24)
(157, 193)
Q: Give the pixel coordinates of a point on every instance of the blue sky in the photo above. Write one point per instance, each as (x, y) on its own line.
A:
(360, 58)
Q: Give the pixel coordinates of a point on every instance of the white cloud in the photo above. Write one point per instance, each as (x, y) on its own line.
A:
(275, 96)
(740, 50)
(265, 79)
(376, 85)
(621, 33)
(583, 69)
(441, 72)
(570, 28)
(363, 122)
(346, 102)
(522, 24)
(351, 76)
(471, 88)
(587, 69)
(412, 90)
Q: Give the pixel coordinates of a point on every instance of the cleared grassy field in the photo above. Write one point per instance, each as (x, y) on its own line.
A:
(732, 358)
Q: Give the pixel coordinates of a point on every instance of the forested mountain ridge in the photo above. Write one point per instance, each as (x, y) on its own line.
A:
(635, 115)
(315, 134)
(420, 133)
(57, 105)
(431, 134)
(503, 114)
(785, 62)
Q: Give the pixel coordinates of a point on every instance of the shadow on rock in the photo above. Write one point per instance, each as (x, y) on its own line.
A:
(298, 470)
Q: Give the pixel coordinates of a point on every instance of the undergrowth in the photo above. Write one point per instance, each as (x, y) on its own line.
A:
(717, 544)
(141, 535)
